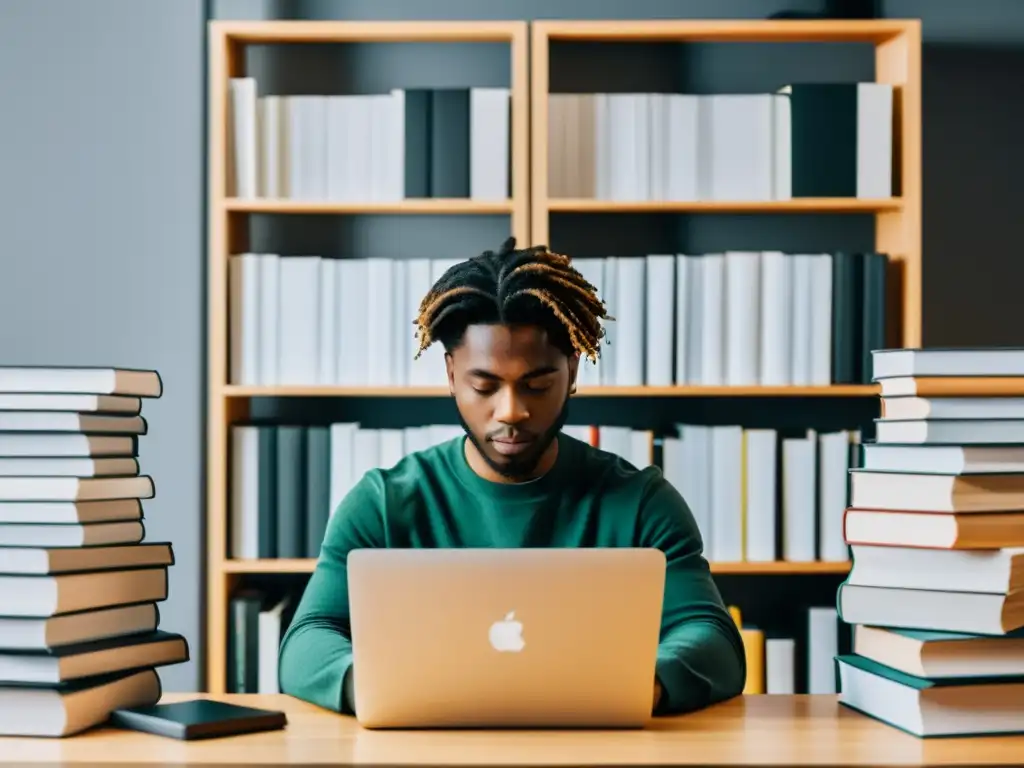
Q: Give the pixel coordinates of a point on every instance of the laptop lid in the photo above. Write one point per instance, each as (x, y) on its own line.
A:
(505, 637)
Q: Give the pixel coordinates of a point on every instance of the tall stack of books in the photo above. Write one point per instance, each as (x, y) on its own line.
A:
(79, 589)
(936, 530)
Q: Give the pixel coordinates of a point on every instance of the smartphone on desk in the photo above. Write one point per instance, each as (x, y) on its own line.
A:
(198, 719)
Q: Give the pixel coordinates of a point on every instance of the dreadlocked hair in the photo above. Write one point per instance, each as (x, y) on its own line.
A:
(531, 286)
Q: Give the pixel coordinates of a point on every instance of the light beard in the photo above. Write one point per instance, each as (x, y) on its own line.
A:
(521, 469)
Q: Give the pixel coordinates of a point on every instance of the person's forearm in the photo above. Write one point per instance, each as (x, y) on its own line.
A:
(314, 661)
(699, 663)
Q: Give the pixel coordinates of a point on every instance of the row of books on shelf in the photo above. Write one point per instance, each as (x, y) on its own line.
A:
(738, 318)
(787, 505)
(936, 588)
(79, 587)
(806, 140)
(405, 143)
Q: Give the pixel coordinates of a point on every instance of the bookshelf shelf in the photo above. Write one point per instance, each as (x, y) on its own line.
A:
(426, 206)
(835, 390)
(797, 205)
(780, 568)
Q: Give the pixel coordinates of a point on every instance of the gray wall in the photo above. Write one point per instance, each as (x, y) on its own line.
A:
(101, 226)
(102, 183)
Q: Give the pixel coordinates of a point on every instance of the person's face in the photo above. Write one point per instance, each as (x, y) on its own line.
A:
(511, 387)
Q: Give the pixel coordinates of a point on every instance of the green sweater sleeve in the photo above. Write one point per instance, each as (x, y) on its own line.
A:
(701, 659)
(315, 658)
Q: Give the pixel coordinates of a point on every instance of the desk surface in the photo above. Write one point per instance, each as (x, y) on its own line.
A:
(782, 730)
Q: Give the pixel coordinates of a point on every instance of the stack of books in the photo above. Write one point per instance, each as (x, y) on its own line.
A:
(79, 589)
(936, 530)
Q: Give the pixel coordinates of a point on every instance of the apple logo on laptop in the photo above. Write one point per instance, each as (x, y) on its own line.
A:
(506, 635)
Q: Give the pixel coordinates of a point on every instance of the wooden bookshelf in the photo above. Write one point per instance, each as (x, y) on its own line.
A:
(228, 234)
(897, 46)
(897, 220)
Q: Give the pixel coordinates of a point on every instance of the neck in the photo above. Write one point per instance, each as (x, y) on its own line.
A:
(487, 472)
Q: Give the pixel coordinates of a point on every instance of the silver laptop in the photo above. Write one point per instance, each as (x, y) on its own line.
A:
(462, 638)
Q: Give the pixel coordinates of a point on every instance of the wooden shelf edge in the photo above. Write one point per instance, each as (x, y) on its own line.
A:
(424, 206)
(780, 568)
(303, 31)
(835, 390)
(728, 30)
(794, 205)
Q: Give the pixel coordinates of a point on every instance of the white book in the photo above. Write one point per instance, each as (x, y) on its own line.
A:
(245, 492)
(623, 177)
(270, 310)
(392, 447)
(712, 320)
(244, 150)
(799, 498)
(314, 154)
(742, 149)
(268, 641)
(776, 342)
(822, 648)
(338, 168)
(782, 145)
(380, 322)
(380, 146)
(366, 453)
(820, 342)
(682, 147)
(327, 323)
(780, 665)
(696, 478)
(395, 158)
(660, 319)
(271, 154)
(641, 146)
(695, 299)
(489, 110)
(629, 320)
(342, 436)
(351, 331)
(742, 317)
(293, 122)
(874, 140)
(727, 497)
(602, 147)
(359, 184)
(298, 351)
(833, 466)
(761, 460)
(244, 318)
(802, 333)
(681, 332)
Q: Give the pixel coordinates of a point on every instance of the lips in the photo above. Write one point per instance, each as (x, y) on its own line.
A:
(511, 447)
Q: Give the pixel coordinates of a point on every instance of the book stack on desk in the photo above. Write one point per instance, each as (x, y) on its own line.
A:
(79, 588)
(936, 530)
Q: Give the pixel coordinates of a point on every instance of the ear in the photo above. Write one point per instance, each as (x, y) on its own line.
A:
(574, 367)
(449, 366)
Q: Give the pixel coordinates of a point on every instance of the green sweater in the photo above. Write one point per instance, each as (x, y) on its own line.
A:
(590, 498)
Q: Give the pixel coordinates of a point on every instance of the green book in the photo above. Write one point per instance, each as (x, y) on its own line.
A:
(923, 707)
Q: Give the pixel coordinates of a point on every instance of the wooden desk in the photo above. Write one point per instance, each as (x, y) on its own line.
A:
(763, 730)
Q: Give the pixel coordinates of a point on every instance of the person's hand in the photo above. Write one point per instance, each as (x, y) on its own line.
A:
(657, 695)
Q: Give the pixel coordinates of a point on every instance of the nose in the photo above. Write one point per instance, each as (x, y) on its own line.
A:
(509, 407)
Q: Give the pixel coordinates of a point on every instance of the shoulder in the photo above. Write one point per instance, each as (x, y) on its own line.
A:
(610, 473)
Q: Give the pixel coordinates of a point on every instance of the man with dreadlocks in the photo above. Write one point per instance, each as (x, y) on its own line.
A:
(514, 325)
